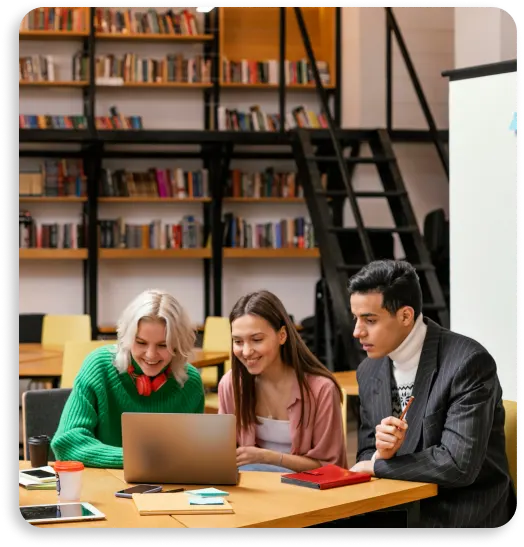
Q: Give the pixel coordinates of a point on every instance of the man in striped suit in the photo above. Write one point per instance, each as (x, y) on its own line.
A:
(453, 432)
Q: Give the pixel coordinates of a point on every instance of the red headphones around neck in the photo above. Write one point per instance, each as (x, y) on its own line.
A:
(144, 384)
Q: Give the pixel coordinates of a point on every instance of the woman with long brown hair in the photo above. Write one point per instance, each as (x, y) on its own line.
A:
(287, 404)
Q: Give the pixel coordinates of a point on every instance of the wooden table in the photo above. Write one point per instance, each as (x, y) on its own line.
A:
(98, 488)
(348, 381)
(35, 361)
(259, 501)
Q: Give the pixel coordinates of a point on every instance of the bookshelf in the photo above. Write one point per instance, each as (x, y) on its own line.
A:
(221, 36)
(254, 33)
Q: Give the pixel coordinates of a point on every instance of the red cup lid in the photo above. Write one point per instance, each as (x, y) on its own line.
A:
(69, 466)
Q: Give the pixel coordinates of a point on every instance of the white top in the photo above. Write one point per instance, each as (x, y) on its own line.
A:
(274, 435)
(405, 364)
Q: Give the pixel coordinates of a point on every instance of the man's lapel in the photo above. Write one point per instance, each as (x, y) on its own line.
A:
(382, 390)
(426, 371)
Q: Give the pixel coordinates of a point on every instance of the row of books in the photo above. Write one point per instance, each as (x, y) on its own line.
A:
(162, 183)
(268, 183)
(55, 177)
(291, 232)
(129, 21)
(41, 121)
(35, 235)
(33, 121)
(37, 68)
(257, 120)
(118, 121)
(117, 234)
(55, 19)
(267, 72)
(43, 68)
(111, 70)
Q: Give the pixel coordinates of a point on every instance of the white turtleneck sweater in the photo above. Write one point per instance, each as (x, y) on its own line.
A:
(405, 364)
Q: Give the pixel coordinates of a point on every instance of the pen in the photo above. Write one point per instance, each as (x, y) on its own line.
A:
(404, 412)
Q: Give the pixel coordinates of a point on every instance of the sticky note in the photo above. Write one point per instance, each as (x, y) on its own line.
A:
(198, 500)
(513, 125)
(207, 492)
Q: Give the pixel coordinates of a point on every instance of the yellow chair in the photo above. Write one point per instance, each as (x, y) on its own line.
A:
(74, 355)
(217, 337)
(510, 431)
(59, 329)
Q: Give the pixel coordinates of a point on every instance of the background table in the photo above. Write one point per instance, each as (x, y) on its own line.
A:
(36, 362)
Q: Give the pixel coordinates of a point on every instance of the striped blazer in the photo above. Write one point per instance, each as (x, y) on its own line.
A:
(455, 437)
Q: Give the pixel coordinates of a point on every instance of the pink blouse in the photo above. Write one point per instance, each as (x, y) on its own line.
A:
(322, 438)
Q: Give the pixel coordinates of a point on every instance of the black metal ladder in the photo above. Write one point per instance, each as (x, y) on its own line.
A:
(345, 250)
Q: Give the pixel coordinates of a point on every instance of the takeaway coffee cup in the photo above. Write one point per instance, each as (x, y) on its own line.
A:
(38, 450)
(69, 480)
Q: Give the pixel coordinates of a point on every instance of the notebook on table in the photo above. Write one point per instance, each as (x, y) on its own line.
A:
(176, 504)
(328, 476)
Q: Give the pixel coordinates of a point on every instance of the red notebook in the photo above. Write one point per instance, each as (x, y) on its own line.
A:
(328, 476)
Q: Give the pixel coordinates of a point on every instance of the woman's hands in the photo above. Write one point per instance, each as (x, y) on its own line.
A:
(251, 454)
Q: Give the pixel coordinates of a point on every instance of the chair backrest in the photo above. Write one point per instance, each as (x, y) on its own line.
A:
(30, 328)
(59, 329)
(510, 431)
(74, 355)
(217, 337)
(41, 411)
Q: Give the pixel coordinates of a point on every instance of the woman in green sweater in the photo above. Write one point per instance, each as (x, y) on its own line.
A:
(146, 371)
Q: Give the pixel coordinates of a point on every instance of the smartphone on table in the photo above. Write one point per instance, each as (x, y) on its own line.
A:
(138, 489)
(39, 474)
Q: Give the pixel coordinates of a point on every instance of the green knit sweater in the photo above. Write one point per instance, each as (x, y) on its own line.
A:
(90, 428)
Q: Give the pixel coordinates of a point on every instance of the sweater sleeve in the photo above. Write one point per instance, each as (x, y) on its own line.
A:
(328, 434)
(75, 438)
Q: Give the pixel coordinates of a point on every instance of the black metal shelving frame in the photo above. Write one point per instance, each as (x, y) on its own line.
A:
(215, 148)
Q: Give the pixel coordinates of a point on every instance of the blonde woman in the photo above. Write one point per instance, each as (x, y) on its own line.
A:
(146, 371)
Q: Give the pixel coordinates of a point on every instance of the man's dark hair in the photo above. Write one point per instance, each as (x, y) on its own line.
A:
(396, 280)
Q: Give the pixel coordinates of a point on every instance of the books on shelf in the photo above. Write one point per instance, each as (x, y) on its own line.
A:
(248, 71)
(55, 19)
(60, 177)
(112, 70)
(43, 68)
(46, 121)
(37, 68)
(117, 234)
(290, 232)
(127, 21)
(161, 183)
(34, 235)
(257, 120)
(267, 183)
(118, 121)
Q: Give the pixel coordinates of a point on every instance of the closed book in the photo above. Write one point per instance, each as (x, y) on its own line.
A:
(328, 476)
(176, 504)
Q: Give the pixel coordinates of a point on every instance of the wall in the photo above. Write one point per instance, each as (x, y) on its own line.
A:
(483, 236)
(429, 36)
(428, 33)
(483, 36)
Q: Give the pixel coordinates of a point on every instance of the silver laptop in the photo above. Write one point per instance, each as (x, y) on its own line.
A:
(179, 448)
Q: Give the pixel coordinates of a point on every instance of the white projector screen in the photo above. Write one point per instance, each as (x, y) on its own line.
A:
(483, 217)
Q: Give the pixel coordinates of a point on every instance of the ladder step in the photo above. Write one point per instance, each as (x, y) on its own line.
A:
(333, 159)
(378, 194)
(357, 267)
(398, 230)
